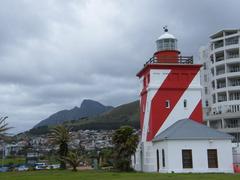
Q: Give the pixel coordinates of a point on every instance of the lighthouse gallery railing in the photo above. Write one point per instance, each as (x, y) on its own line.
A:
(180, 60)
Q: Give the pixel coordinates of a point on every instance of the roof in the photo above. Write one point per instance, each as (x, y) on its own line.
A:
(166, 35)
(220, 33)
(187, 129)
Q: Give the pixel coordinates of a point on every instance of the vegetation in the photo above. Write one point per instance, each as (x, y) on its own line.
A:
(73, 159)
(125, 143)
(13, 160)
(39, 130)
(92, 175)
(61, 136)
(3, 127)
(106, 157)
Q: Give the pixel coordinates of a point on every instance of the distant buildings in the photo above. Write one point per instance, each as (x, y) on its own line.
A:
(220, 78)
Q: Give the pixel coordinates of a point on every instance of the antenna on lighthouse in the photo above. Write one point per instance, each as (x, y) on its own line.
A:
(165, 28)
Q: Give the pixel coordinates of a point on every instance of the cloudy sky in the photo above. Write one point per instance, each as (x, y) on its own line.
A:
(55, 53)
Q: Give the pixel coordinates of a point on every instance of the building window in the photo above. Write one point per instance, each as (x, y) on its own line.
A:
(206, 90)
(187, 158)
(204, 66)
(206, 103)
(163, 158)
(185, 103)
(167, 103)
(214, 98)
(212, 158)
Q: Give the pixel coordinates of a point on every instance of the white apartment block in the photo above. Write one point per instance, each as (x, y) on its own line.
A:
(220, 78)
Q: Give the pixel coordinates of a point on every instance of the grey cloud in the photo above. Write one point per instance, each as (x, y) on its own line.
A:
(55, 53)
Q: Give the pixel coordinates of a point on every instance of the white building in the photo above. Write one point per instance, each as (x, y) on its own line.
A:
(220, 78)
(187, 146)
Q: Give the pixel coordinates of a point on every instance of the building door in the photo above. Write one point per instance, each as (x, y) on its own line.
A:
(157, 160)
(141, 160)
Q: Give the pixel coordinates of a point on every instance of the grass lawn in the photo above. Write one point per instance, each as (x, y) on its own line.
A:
(98, 175)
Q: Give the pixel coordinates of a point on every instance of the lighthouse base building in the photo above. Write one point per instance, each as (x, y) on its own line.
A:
(185, 147)
(173, 138)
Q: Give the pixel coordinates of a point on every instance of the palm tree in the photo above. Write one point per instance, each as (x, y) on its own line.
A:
(73, 159)
(125, 142)
(3, 126)
(61, 136)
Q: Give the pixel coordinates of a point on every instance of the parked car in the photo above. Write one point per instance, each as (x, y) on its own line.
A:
(4, 169)
(54, 166)
(22, 168)
(40, 166)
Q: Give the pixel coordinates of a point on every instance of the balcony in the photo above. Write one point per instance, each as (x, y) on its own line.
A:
(232, 123)
(233, 108)
(177, 60)
(233, 53)
(220, 70)
(217, 124)
(218, 44)
(234, 68)
(221, 83)
(231, 41)
(234, 82)
(234, 95)
(222, 97)
(219, 58)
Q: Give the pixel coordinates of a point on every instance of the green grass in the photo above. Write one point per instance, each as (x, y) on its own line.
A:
(98, 175)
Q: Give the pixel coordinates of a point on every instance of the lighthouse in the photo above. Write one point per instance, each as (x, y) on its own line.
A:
(170, 91)
(170, 88)
(173, 138)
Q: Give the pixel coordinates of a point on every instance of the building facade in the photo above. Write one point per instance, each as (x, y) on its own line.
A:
(220, 78)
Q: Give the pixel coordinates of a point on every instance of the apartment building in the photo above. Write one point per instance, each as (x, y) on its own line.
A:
(220, 78)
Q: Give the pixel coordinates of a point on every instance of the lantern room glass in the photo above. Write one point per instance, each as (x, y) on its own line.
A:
(166, 44)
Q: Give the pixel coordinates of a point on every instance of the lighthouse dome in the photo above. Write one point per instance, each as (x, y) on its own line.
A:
(166, 42)
(167, 35)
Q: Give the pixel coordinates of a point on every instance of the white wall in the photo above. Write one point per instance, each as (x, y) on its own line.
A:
(173, 155)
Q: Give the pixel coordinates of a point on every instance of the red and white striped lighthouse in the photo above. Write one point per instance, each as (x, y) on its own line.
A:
(170, 88)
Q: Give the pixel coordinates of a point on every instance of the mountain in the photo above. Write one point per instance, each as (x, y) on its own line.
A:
(88, 108)
(126, 114)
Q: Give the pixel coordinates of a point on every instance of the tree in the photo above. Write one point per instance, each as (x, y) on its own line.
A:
(73, 159)
(3, 127)
(106, 157)
(61, 136)
(125, 143)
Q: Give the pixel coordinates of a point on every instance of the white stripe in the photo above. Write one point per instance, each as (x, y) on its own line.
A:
(157, 77)
(193, 96)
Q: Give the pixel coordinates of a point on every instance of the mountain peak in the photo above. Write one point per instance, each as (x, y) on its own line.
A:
(88, 108)
(89, 102)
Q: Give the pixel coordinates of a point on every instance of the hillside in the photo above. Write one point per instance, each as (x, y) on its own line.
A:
(88, 108)
(126, 114)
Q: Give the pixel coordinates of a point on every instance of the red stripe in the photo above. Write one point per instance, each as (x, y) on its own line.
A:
(172, 89)
(197, 113)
